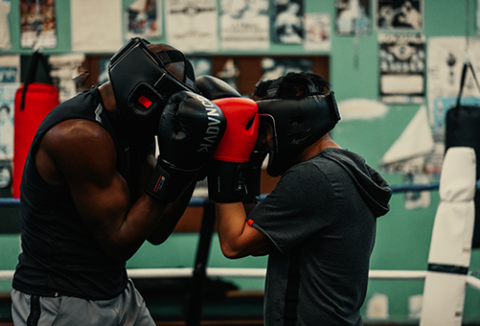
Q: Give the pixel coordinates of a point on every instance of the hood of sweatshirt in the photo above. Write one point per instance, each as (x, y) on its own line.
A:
(372, 187)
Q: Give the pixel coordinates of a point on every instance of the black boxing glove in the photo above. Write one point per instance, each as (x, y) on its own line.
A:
(229, 162)
(190, 128)
(214, 88)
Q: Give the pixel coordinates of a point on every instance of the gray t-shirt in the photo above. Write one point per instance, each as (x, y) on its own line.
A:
(323, 233)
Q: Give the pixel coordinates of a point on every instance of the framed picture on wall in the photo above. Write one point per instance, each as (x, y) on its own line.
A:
(352, 17)
(244, 25)
(287, 22)
(143, 19)
(402, 68)
(248, 70)
(38, 24)
(191, 25)
(399, 15)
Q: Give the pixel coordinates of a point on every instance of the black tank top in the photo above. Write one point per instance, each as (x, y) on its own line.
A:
(59, 256)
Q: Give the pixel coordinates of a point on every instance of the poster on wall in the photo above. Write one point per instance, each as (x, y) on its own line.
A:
(201, 65)
(64, 68)
(9, 69)
(446, 57)
(192, 26)
(318, 35)
(98, 30)
(143, 18)
(352, 17)
(399, 15)
(5, 7)
(103, 70)
(37, 24)
(229, 72)
(287, 22)
(245, 25)
(408, 156)
(402, 68)
(9, 83)
(7, 97)
(274, 67)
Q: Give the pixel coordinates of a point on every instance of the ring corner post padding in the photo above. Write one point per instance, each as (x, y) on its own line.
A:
(450, 246)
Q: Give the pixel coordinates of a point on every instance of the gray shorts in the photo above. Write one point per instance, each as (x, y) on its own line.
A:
(127, 309)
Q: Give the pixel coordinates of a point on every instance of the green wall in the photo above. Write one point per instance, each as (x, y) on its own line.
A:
(403, 236)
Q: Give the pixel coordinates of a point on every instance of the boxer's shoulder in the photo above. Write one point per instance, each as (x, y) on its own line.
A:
(71, 144)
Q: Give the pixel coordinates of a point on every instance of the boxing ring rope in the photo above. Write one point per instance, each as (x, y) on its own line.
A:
(7, 275)
(198, 201)
(186, 272)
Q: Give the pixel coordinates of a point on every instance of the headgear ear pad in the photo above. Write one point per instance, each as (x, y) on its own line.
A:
(295, 125)
(142, 85)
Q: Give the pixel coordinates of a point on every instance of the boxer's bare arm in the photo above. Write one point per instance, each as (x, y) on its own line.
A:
(81, 154)
(237, 238)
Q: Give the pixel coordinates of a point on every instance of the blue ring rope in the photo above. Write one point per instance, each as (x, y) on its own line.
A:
(199, 201)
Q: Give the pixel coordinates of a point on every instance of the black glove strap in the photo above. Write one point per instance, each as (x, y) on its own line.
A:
(254, 173)
(158, 183)
(167, 183)
(226, 181)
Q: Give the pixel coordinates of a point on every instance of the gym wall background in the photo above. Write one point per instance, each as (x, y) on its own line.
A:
(393, 81)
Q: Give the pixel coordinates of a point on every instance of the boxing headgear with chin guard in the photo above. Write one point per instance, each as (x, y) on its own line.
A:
(295, 123)
(142, 84)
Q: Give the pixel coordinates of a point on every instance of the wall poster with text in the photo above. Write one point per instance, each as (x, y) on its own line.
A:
(192, 26)
(402, 68)
(245, 25)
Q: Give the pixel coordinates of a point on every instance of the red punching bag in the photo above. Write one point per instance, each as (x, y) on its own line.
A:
(33, 101)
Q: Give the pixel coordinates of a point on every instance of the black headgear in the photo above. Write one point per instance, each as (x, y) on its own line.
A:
(142, 84)
(296, 123)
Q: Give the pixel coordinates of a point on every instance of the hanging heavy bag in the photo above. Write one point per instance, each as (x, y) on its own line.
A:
(462, 128)
(33, 101)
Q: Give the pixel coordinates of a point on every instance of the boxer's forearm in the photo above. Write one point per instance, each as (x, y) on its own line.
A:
(170, 217)
(237, 238)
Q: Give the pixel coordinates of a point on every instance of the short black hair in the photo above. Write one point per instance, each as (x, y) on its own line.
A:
(293, 85)
(262, 87)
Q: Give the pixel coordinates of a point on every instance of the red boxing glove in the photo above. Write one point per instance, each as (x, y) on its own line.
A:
(226, 178)
(242, 129)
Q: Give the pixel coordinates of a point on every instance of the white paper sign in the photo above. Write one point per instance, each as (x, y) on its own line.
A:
(192, 26)
(96, 25)
(245, 25)
(318, 35)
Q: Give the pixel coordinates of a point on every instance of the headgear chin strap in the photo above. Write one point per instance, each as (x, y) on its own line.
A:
(296, 123)
(142, 84)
